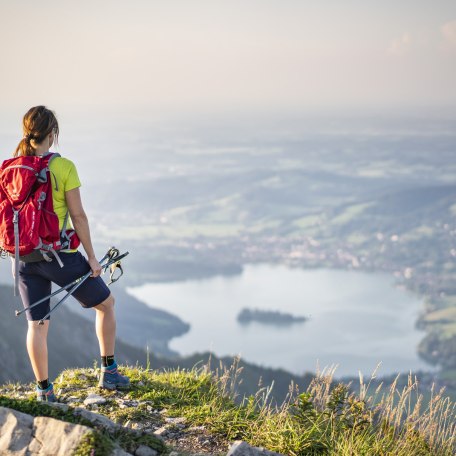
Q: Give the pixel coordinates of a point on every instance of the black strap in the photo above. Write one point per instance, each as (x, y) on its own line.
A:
(113, 268)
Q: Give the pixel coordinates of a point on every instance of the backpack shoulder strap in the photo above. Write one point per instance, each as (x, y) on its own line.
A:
(45, 168)
(49, 157)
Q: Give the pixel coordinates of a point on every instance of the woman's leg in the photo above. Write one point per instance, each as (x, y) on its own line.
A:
(105, 326)
(37, 348)
(32, 287)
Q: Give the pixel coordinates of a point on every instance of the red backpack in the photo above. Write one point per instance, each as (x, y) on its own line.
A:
(29, 227)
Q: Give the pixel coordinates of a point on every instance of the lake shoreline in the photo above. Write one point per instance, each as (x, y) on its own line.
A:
(175, 346)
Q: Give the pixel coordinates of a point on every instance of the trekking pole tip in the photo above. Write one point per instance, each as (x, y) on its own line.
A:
(18, 312)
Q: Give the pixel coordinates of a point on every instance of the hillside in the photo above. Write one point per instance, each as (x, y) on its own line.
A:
(138, 324)
(190, 412)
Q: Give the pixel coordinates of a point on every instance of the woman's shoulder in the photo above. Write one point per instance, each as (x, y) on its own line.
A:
(62, 164)
(62, 161)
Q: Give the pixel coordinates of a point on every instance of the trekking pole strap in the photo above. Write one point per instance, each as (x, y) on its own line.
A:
(16, 251)
(113, 268)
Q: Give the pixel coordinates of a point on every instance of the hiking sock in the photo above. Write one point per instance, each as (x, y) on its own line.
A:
(107, 360)
(43, 384)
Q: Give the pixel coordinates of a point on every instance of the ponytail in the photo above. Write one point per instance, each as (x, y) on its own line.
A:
(24, 148)
(37, 124)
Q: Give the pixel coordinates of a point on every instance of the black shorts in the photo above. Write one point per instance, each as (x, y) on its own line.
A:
(35, 282)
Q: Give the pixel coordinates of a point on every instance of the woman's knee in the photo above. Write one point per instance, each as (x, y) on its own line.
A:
(107, 304)
(37, 326)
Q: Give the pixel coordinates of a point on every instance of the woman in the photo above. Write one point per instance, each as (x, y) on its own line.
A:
(41, 130)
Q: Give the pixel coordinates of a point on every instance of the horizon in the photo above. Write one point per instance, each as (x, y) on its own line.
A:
(171, 59)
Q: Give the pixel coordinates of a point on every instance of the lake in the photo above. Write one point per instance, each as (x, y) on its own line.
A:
(356, 319)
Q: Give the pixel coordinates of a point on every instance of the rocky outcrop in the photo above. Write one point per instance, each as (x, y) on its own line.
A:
(22, 434)
(240, 448)
(25, 435)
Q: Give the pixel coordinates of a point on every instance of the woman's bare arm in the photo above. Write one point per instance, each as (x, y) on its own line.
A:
(81, 226)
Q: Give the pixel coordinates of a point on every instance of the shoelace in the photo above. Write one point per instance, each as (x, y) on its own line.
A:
(46, 393)
(110, 371)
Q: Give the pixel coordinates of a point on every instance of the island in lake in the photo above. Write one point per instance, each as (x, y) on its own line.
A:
(269, 317)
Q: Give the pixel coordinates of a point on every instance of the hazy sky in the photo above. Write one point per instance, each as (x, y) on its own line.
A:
(197, 55)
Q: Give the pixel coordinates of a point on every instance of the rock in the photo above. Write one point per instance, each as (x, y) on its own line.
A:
(119, 452)
(143, 450)
(126, 403)
(63, 407)
(97, 419)
(15, 431)
(22, 434)
(196, 429)
(177, 420)
(240, 448)
(57, 437)
(94, 399)
(161, 431)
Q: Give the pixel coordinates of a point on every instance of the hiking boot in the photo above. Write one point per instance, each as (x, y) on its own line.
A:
(111, 379)
(46, 395)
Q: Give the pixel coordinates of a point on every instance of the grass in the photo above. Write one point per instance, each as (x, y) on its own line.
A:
(326, 419)
(307, 222)
(446, 315)
(419, 233)
(357, 238)
(350, 213)
(443, 321)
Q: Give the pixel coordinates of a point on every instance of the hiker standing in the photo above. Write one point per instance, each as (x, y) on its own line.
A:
(37, 271)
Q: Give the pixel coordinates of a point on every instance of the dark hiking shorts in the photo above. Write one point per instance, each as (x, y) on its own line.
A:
(35, 282)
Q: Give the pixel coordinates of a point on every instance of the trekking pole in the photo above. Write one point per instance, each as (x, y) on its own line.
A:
(19, 312)
(111, 254)
(80, 282)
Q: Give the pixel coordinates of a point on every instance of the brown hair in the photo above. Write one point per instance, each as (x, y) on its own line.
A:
(37, 124)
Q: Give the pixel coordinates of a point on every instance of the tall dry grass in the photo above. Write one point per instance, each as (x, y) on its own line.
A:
(330, 418)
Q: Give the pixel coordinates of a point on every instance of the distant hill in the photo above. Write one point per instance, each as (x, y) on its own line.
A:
(140, 325)
(429, 199)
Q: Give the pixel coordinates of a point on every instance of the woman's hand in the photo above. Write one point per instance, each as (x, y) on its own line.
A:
(95, 266)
